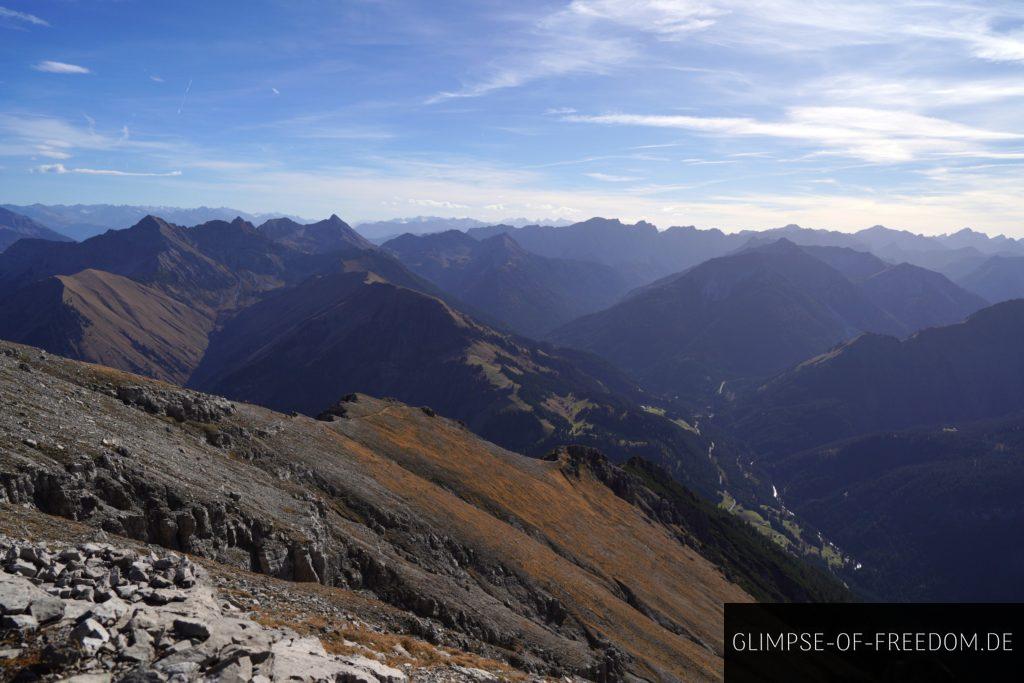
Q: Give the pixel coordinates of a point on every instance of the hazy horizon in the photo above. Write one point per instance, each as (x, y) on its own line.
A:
(518, 221)
(714, 113)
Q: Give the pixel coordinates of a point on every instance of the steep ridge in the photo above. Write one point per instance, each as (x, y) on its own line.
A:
(301, 347)
(329, 235)
(530, 294)
(753, 313)
(152, 252)
(640, 253)
(854, 264)
(914, 296)
(967, 238)
(968, 371)
(900, 501)
(806, 237)
(180, 281)
(108, 319)
(643, 255)
(564, 565)
(920, 298)
(382, 231)
(215, 266)
(82, 221)
(14, 227)
(999, 278)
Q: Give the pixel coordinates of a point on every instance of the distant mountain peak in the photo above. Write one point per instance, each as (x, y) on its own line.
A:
(151, 223)
(327, 235)
(783, 245)
(15, 226)
(502, 244)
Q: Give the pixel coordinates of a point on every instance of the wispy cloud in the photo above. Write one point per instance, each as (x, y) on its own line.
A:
(51, 153)
(915, 93)
(329, 125)
(188, 89)
(27, 134)
(669, 19)
(60, 169)
(609, 178)
(156, 79)
(51, 67)
(598, 36)
(437, 204)
(13, 16)
(225, 165)
(557, 44)
(873, 135)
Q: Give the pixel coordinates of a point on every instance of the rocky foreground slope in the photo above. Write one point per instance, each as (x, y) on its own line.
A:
(104, 610)
(558, 566)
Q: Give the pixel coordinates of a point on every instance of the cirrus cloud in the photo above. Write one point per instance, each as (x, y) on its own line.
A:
(22, 17)
(874, 135)
(52, 67)
(61, 169)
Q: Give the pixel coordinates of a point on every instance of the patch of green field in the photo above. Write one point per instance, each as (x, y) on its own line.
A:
(753, 518)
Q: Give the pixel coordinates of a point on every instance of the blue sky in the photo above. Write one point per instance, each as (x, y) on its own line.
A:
(725, 113)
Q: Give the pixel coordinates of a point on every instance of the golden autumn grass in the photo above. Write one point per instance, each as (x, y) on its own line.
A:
(575, 524)
(570, 536)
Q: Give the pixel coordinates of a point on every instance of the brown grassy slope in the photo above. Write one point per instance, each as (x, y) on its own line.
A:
(109, 319)
(531, 563)
(581, 540)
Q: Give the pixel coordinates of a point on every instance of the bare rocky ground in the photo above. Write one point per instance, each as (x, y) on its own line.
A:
(381, 529)
(107, 609)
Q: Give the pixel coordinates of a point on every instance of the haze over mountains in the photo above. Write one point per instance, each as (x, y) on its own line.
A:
(639, 252)
(944, 375)
(756, 368)
(81, 221)
(381, 231)
(758, 312)
(532, 294)
(294, 316)
(14, 227)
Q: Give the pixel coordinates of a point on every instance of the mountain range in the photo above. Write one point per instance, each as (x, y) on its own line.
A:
(644, 254)
(639, 252)
(294, 316)
(998, 278)
(940, 376)
(797, 379)
(760, 311)
(381, 231)
(531, 294)
(81, 221)
(14, 227)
